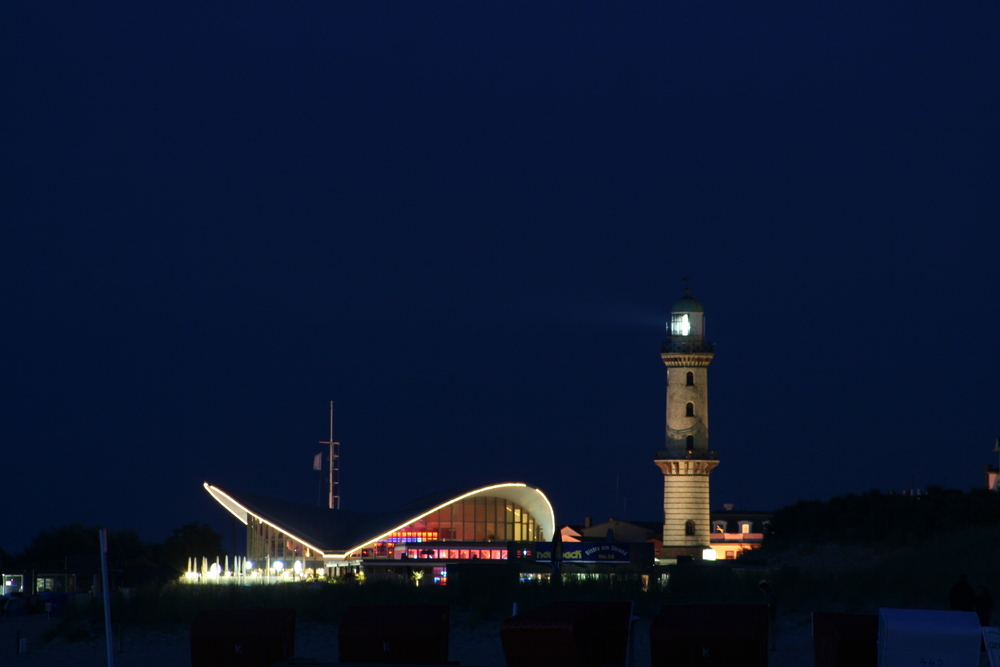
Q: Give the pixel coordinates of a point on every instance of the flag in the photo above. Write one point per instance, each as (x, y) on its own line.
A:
(318, 461)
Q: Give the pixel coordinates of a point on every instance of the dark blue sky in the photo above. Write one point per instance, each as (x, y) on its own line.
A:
(465, 224)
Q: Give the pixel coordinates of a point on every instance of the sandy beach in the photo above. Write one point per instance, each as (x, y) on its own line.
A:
(167, 646)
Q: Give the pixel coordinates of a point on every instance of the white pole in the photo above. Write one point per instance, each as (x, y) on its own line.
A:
(107, 596)
(336, 475)
(333, 497)
(331, 456)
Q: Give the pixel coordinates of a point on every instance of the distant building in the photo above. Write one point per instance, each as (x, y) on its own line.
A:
(79, 574)
(624, 531)
(735, 531)
(992, 478)
(616, 530)
(570, 533)
(992, 473)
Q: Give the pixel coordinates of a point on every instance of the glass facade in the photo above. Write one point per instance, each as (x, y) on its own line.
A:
(267, 542)
(476, 519)
(455, 554)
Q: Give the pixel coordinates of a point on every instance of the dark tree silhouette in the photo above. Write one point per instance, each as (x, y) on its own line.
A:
(51, 547)
(876, 518)
(192, 540)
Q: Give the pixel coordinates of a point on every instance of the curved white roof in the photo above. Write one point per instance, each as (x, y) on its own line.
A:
(338, 533)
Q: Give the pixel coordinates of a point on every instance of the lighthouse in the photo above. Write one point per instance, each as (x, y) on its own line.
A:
(686, 460)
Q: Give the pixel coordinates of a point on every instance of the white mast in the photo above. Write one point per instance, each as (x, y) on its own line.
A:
(334, 496)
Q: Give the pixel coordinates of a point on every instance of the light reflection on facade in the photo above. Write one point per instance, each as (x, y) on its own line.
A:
(476, 519)
(450, 532)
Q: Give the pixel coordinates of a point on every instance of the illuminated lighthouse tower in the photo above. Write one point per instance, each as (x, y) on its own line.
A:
(686, 460)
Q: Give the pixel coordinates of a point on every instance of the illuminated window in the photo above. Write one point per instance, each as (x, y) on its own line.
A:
(690, 410)
(690, 443)
(680, 324)
(730, 555)
(689, 528)
(480, 519)
(690, 379)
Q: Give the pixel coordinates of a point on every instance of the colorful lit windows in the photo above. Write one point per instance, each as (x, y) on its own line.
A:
(412, 536)
(476, 519)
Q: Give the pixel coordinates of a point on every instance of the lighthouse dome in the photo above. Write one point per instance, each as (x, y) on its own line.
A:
(687, 304)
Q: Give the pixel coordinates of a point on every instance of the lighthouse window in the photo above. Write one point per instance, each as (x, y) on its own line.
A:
(690, 379)
(689, 528)
(690, 443)
(680, 324)
(690, 410)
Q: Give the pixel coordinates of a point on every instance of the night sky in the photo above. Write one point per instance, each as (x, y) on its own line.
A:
(465, 223)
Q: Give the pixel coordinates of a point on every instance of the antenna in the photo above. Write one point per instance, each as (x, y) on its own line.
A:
(616, 495)
(334, 496)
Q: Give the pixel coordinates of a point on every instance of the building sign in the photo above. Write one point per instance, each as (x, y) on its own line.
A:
(587, 552)
(991, 637)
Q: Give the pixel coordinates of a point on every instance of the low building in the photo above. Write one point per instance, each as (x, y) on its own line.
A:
(736, 531)
(992, 477)
(492, 523)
